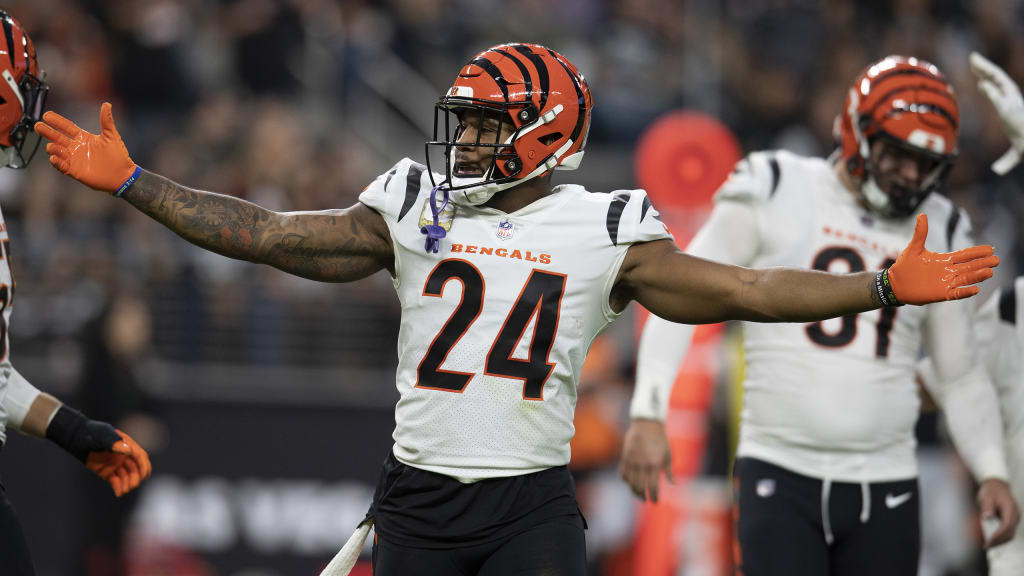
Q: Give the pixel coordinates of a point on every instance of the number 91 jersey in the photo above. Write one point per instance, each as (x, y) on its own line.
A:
(497, 323)
(838, 398)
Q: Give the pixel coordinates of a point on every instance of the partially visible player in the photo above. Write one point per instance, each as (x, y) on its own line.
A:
(504, 283)
(108, 452)
(1000, 323)
(826, 474)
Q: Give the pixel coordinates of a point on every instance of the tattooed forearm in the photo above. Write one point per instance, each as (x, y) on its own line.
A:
(317, 245)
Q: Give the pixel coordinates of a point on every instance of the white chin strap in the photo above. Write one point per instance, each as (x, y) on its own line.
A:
(477, 192)
(877, 199)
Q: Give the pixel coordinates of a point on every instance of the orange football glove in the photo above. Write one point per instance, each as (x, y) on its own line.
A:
(125, 465)
(922, 277)
(100, 161)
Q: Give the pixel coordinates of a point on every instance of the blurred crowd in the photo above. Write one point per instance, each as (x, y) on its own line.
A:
(298, 104)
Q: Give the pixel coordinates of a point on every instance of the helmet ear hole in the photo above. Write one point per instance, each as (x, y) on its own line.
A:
(550, 138)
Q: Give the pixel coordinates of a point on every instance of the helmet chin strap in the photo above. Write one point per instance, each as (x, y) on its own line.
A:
(873, 194)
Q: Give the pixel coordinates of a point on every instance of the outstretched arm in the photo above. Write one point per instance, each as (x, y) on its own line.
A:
(332, 246)
(683, 288)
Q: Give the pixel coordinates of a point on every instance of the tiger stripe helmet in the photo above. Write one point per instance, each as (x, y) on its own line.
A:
(908, 102)
(22, 94)
(541, 93)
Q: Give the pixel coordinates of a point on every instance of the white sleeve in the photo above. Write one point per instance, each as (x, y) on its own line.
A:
(729, 236)
(18, 397)
(962, 388)
(998, 344)
(393, 193)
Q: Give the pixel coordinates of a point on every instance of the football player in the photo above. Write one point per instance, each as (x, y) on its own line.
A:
(825, 476)
(999, 326)
(108, 452)
(504, 282)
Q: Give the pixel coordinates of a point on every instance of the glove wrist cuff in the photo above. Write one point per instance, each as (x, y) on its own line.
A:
(64, 428)
(884, 289)
(128, 183)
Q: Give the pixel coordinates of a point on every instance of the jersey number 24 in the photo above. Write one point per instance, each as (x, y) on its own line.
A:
(541, 296)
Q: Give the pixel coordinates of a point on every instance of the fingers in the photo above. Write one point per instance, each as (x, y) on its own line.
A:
(69, 128)
(125, 481)
(134, 475)
(650, 479)
(985, 69)
(991, 91)
(972, 277)
(1002, 534)
(107, 127)
(920, 232)
(962, 292)
(115, 483)
(973, 253)
(52, 134)
(138, 454)
(60, 163)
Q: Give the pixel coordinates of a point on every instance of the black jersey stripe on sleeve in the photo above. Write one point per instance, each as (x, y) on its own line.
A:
(391, 174)
(773, 162)
(615, 208)
(412, 188)
(1008, 304)
(951, 224)
(645, 207)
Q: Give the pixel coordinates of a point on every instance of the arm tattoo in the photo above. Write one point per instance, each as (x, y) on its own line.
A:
(313, 245)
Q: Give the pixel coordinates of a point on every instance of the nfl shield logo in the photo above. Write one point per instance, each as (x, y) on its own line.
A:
(505, 229)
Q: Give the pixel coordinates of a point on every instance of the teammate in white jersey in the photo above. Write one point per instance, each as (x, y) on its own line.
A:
(999, 326)
(504, 282)
(826, 462)
(108, 452)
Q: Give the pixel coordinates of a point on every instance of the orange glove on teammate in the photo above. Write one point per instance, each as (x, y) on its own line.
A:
(100, 161)
(110, 453)
(920, 276)
(124, 466)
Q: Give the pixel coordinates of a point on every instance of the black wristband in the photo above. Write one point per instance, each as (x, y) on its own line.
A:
(72, 431)
(884, 289)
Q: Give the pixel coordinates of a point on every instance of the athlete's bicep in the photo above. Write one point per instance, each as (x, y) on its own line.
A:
(677, 286)
(333, 245)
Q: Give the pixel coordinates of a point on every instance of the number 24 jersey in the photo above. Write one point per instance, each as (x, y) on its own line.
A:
(497, 323)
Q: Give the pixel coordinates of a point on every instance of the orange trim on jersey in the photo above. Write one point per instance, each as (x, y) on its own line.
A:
(535, 312)
(462, 297)
(863, 241)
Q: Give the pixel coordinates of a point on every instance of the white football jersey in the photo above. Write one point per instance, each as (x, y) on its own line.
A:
(1000, 329)
(497, 323)
(6, 296)
(838, 398)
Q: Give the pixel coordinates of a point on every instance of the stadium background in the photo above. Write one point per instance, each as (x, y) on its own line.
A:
(266, 400)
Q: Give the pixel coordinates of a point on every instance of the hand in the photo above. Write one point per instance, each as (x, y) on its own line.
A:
(1006, 98)
(645, 453)
(921, 277)
(996, 502)
(124, 464)
(100, 161)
